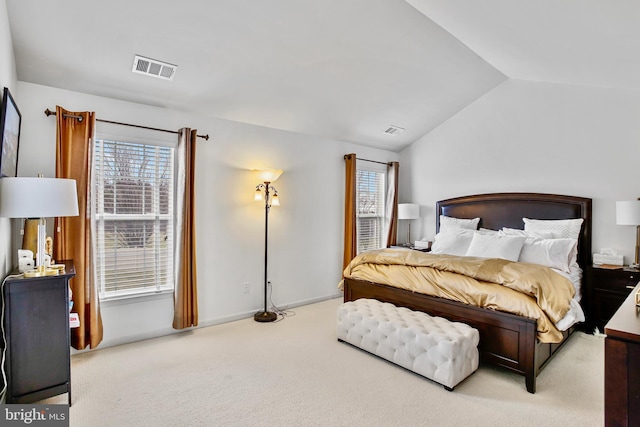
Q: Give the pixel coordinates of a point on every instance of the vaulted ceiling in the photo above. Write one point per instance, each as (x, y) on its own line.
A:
(345, 69)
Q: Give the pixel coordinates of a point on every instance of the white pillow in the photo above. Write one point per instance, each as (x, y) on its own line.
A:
(560, 228)
(455, 241)
(449, 222)
(488, 231)
(505, 231)
(495, 246)
(554, 253)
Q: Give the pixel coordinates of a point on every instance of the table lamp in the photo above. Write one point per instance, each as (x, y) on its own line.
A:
(31, 197)
(408, 211)
(628, 213)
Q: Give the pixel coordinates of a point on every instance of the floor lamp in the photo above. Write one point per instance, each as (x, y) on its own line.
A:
(267, 192)
(408, 211)
(30, 197)
(628, 213)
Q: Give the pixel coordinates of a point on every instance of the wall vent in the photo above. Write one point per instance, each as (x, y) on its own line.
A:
(153, 67)
(393, 130)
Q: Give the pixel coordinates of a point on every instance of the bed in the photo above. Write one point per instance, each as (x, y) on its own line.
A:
(506, 340)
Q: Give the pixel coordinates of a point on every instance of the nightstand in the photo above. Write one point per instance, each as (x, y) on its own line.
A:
(36, 326)
(412, 248)
(608, 288)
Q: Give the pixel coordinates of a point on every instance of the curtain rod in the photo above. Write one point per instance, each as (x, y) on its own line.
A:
(48, 113)
(373, 161)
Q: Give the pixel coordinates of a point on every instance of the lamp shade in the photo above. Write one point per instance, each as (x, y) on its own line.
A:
(628, 212)
(29, 197)
(408, 211)
(267, 175)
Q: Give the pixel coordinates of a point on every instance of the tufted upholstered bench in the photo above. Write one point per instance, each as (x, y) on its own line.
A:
(443, 351)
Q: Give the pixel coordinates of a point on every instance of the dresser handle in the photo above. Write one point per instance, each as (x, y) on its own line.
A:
(631, 287)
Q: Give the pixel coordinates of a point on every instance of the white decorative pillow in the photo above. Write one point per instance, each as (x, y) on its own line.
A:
(449, 222)
(554, 253)
(455, 241)
(506, 231)
(488, 231)
(495, 246)
(560, 228)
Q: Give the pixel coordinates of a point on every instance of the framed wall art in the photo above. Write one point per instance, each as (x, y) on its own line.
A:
(10, 120)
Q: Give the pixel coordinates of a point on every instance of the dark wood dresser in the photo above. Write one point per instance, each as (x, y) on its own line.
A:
(37, 336)
(622, 365)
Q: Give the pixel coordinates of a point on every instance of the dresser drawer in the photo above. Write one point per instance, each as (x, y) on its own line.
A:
(620, 281)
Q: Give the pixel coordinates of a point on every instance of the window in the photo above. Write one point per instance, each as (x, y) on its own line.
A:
(370, 197)
(133, 218)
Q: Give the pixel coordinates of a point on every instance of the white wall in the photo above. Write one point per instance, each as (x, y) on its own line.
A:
(7, 79)
(534, 137)
(305, 232)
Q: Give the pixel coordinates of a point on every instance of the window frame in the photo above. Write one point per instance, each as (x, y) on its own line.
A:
(380, 214)
(99, 219)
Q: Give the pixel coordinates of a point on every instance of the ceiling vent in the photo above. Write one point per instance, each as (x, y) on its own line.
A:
(393, 130)
(154, 68)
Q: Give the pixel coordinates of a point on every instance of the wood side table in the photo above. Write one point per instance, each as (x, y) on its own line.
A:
(607, 290)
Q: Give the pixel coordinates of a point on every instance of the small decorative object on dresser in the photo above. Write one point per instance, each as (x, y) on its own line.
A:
(609, 287)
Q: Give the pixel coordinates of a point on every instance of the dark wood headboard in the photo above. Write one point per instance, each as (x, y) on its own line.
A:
(499, 210)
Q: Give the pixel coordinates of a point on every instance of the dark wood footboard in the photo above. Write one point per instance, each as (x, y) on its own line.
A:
(506, 340)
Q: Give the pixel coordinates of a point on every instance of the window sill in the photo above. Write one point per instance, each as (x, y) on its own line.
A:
(136, 298)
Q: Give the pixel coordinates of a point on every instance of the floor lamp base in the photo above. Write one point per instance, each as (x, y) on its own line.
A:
(265, 316)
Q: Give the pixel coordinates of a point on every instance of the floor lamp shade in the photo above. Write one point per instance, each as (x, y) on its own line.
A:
(267, 175)
(29, 197)
(628, 213)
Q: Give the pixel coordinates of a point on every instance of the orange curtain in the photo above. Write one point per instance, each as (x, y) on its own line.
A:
(74, 143)
(350, 241)
(391, 203)
(185, 312)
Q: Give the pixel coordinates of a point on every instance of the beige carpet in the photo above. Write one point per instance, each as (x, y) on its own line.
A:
(295, 373)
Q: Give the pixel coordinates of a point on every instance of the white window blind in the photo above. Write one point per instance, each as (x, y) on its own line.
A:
(133, 218)
(370, 197)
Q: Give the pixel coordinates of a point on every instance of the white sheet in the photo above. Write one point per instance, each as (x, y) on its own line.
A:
(575, 313)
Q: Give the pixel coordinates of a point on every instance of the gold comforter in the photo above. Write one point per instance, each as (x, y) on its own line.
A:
(528, 290)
